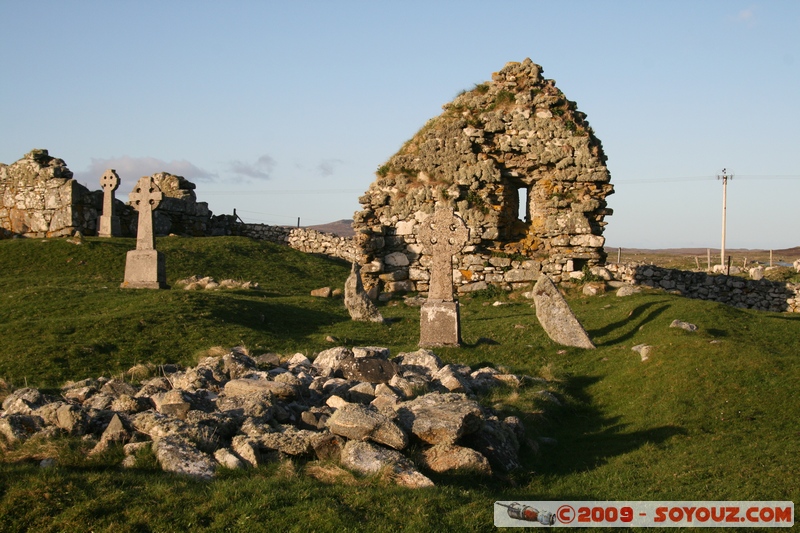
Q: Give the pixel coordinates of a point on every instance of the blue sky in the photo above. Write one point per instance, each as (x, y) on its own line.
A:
(285, 109)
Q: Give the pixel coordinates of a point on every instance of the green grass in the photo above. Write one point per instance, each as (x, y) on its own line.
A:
(711, 416)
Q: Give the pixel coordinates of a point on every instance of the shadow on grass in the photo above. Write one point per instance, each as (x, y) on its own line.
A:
(637, 318)
(587, 438)
(284, 320)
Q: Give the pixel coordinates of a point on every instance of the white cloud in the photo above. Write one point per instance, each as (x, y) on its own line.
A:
(328, 166)
(747, 16)
(261, 169)
(130, 169)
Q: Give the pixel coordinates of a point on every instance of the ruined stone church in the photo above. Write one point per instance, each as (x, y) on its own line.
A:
(514, 141)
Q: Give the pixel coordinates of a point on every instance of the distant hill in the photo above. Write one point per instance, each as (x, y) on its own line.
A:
(342, 228)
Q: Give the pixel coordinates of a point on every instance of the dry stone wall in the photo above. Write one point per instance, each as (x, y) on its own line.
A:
(39, 198)
(302, 239)
(514, 139)
(759, 294)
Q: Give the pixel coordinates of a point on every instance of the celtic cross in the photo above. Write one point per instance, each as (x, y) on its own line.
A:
(442, 236)
(145, 198)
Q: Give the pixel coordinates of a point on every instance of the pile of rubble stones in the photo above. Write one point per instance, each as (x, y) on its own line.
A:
(356, 407)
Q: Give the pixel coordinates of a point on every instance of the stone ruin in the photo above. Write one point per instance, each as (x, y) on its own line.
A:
(356, 407)
(515, 139)
(40, 198)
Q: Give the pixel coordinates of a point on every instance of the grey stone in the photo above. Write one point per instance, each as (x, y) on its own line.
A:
(497, 442)
(357, 422)
(421, 361)
(228, 459)
(329, 447)
(236, 364)
(358, 304)
(23, 401)
(180, 456)
(362, 393)
(440, 418)
(173, 403)
(256, 405)
(368, 458)
(72, 419)
(116, 388)
(556, 318)
(369, 369)
(440, 324)
(290, 441)
(450, 457)
(19, 427)
(683, 325)
(324, 292)
(644, 350)
(371, 351)
(331, 358)
(627, 290)
(246, 386)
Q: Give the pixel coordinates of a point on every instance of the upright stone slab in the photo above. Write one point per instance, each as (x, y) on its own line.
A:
(145, 267)
(556, 317)
(357, 301)
(441, 236)
(109, 225)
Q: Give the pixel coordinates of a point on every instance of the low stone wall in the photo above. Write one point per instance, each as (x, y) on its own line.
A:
(302, 239)
(760, 294)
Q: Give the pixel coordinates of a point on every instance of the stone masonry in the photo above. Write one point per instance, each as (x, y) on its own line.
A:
(39, 198)
(514, 139)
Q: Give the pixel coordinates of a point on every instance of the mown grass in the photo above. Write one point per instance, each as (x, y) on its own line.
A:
(711, 416)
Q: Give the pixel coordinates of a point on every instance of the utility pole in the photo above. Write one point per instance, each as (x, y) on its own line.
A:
(724, 177)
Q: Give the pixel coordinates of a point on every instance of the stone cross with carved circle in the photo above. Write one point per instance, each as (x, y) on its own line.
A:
(109, 181)
(145, 198)
(443, 235)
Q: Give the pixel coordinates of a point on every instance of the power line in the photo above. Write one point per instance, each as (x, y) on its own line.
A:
(288, 191)
(707, 178)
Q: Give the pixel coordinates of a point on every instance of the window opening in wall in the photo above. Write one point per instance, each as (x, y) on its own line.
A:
(524, 207)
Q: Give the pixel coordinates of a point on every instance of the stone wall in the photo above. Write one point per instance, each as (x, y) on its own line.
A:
(760, 294)
(514, 139)
(39, 198)
(302, 239)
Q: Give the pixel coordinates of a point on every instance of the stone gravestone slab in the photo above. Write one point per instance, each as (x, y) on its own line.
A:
(442, 235)
(556, 317)
(357, 301)
(145, 267)
(109, 225)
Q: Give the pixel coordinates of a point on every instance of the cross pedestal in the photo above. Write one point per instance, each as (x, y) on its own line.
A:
(443, 235)
(109, 225)
(145, 267)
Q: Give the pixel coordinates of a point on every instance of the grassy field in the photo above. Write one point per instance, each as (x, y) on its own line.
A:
(711, 416)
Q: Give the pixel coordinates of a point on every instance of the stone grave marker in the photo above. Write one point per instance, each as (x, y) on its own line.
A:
(555, 316)
(145, 267)
(109, 225)
(357, 301)
(442, 235)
